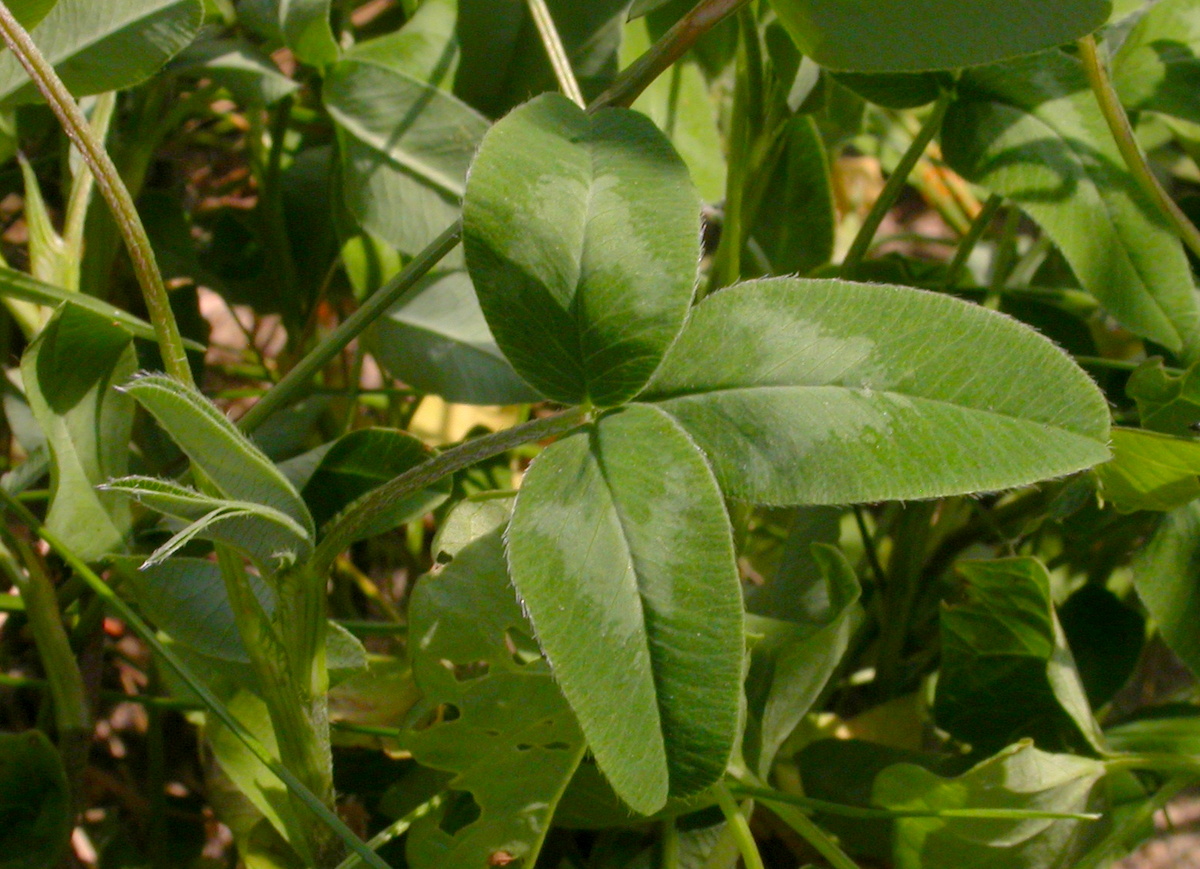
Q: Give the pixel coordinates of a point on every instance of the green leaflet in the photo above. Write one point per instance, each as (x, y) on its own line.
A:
(466, 621)
(1020, 777)
(426, 47)
(1167, 403)
(234, 465)
(307, 30)
(103, 46)
(1150, 471)
(583, 276)
(87, 424)
(792, 662)
(235, 64)
(1174, 728)
(186, 597)
(917, 35)
(620, 549)
(273, 539)
(1166, 580)
(405, 148)
(1031, 130)
(1157, 68)
(437, 341)
(504, 62)
(1006, 670)
(35, 802)
(830, 392)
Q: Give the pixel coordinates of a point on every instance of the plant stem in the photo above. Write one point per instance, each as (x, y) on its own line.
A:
(303, 746)
(557, 53)
(739, 826)
(744, 120)
(211, 703)
(894, 186)
(296, 381)
(108, 179)
(72, 716)
(900, 594)
(397, 828)
(773, 797)
(966, 247)
(814, 835)
(359, 516)
(1129, 830)
(1127, 143)
(670, 845)
(677, 41)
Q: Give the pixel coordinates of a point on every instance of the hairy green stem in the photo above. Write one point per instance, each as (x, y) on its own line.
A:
(555, 50)
(894, 186)
(738, 826)
(211, 703)
(108, 179)
(675, 44)
(359, 516)
(1122, 131)
(303, 746)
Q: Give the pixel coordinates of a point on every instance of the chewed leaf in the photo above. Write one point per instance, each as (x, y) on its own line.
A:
(831, 392)
(272, 538)
(512, 759)
(234, 465)
(1020, 777)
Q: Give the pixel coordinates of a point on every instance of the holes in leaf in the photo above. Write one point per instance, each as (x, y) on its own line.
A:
(461, 811)
(443, 558)
(556, 746)
(443, 713)
(523, 648)
(467, 672)
(524, 746)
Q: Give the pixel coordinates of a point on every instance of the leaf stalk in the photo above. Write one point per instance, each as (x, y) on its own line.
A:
(112, 188)
(355, 519)
(894, 187)
(1126, 139)
(556, 51)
